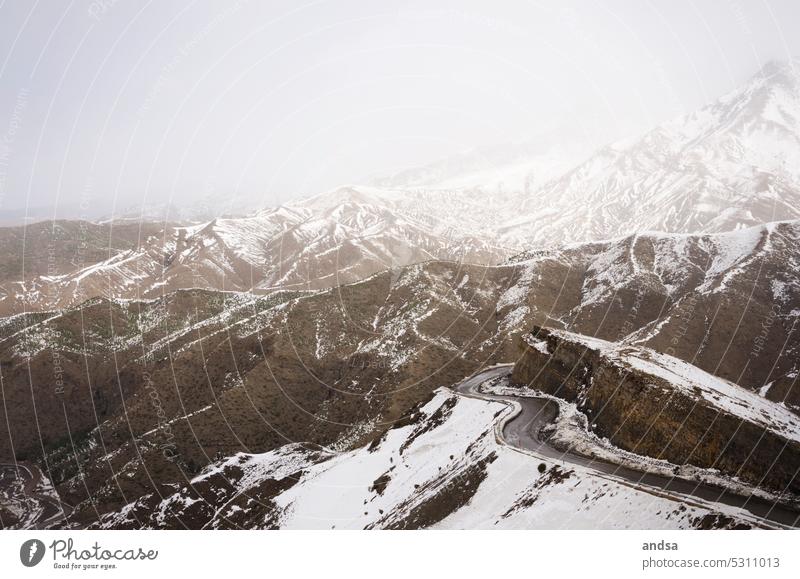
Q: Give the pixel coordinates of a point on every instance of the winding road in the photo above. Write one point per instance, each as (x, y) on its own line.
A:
(521, 431)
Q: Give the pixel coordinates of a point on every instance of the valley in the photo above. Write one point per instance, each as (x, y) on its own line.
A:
(308, 365)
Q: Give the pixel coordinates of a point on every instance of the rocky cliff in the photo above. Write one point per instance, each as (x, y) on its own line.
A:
(659, 406)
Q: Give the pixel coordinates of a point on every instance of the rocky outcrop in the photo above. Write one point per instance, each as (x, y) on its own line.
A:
(690, 420)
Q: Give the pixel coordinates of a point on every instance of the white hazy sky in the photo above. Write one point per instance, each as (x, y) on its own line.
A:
(118, 102)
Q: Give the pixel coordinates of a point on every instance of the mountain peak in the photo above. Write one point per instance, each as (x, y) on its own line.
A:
(352, 194)
(778, 68)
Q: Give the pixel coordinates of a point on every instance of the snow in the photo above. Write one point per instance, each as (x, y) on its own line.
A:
(731, 249)
(588, 341)
(727, 167)
(113, 262)
(580, 502)
(693, 381)
(720, 393)
(514, 319)
(779, 290)
(539, 345)
(570, 431)
(423, 461)
(174, 420)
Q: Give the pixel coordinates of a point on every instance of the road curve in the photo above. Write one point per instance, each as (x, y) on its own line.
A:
(522, 431)
(53, 510)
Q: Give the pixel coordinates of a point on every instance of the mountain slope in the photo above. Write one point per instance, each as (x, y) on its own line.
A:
(733, 163)
(727, 303)
(444, 469)
(233, 372)
(306, 247)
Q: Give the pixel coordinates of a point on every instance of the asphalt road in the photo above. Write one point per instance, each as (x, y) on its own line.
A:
(522, 431)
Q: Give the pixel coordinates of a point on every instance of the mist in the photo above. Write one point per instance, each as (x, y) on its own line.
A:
(107, 105)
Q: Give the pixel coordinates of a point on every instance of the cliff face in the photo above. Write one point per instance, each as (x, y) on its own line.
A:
(658, 406)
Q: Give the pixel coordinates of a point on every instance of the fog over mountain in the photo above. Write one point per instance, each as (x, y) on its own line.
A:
(352, 268)
(732, 164)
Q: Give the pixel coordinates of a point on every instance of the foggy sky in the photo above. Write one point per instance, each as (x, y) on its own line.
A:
(110, 103)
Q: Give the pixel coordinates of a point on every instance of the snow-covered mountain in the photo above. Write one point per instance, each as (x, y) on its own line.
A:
(240, 373)
(444, 470)
(498, 169)
(330, 240)
(342, 316)
(733, 163)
